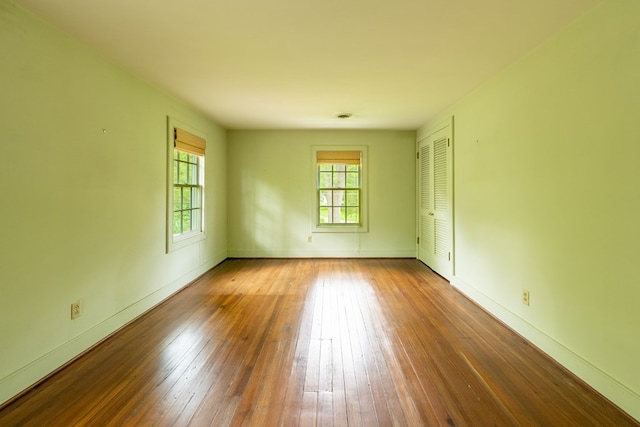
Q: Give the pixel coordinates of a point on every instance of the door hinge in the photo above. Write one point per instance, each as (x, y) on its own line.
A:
(418, 155)
(449, 256)
(448, 142)
(417, 240)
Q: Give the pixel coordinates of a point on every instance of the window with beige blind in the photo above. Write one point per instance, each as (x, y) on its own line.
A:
(185, 185)
(339, 204)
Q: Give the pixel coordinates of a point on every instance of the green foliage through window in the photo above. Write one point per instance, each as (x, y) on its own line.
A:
(339, 187)
(187, 193)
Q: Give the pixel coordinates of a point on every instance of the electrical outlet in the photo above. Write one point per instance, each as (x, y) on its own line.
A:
(525, 297)
(76, 309)
(309, 239)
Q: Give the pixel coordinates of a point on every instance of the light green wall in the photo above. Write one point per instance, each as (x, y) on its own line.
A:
(83, 212)
(271, 192)
(547, 197)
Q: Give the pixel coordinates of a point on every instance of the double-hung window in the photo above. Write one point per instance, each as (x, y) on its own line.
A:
(340, 189)
(185, 206)
(187, 193)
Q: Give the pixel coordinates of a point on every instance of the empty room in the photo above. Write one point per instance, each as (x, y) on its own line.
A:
(301, 213)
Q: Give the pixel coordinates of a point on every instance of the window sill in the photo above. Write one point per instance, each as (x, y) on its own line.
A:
(336, 228)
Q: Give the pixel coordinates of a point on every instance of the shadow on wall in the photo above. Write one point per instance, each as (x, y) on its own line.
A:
(271, 218)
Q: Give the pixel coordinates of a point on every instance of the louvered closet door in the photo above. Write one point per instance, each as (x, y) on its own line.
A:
(435, 225)
(426, 234)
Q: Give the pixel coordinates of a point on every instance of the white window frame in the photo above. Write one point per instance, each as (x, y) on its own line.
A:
(185, 239)
(363, 227)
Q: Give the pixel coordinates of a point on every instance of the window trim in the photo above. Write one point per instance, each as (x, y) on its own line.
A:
(316, 226)
(174, 242)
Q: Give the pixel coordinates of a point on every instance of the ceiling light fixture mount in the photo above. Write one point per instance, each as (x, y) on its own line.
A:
(344, 115)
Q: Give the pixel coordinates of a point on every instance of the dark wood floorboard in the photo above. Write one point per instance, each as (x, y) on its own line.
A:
(338, 342)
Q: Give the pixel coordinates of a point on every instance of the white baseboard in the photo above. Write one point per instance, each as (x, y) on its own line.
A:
(262, 253)
(618, 393)
(30, 374)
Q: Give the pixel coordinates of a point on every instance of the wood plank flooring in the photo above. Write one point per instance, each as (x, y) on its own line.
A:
(338, 342)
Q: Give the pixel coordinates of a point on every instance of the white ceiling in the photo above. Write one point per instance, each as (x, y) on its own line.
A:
(264, 64)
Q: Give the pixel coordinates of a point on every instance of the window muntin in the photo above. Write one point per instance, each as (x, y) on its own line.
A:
(187, 193)
(339, 193)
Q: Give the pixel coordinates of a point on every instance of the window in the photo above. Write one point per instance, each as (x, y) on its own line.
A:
(339, 200)
(339, 187)
(185, 192)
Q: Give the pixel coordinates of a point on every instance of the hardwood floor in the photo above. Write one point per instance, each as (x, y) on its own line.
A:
(374, 342)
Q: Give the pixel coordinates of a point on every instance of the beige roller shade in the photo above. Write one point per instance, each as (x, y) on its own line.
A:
(186, 141)
(348, 157)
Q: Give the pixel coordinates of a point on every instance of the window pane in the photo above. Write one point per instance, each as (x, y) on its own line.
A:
(343, 215)
(186, 221)
(339, 167)
(325, 198)
(324, 180)
(177, 224)
(186, 198)
(334, 214)
(338, 197)
(182, 173)
(338, 180)
(324, 215)
(325, 167)
(352, 180)
(353, 215)
(195, 197)
(353, 168)
(177, 200)
(193, 174)
(353, 198)
(195, 219)
(175, 172)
